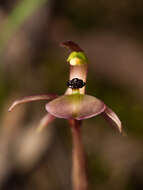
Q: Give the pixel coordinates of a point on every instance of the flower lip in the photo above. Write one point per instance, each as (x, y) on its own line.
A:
(75, 106)
(75, 83)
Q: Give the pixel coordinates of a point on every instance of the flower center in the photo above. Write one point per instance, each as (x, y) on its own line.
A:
(75, 83)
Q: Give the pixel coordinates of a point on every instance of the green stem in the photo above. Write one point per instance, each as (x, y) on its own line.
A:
(79, 172)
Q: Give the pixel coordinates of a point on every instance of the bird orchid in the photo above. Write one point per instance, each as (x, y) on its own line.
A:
(74, 106)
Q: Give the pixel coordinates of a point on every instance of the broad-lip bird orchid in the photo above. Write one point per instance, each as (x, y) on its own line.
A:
(74, 106)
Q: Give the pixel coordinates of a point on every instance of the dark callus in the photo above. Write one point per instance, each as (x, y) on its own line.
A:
(75, 83)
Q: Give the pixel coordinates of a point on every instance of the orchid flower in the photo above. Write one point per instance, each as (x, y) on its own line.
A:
(74, 106)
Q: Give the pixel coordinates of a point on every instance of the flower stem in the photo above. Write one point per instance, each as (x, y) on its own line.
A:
(79, 172)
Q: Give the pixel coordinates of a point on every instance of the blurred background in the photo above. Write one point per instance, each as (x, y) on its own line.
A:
(31, 62)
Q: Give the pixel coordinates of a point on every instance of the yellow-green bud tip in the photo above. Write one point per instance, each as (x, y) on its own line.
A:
(77, 58)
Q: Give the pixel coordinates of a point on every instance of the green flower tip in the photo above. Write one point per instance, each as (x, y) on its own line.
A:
(78, 58)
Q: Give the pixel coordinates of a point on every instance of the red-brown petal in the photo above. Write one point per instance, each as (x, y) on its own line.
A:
(32, 98)
(45, 121)
(76, 106)
(111, 116)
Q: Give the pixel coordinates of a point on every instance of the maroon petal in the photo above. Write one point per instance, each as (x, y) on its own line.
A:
(32, 98)
(76, 106)
(111, 116)
(45, 121)
(71, 45)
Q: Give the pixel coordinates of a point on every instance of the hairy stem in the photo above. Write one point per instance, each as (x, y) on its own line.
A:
(79, 172)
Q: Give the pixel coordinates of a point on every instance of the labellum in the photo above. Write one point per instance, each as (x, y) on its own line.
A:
(75, 106)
